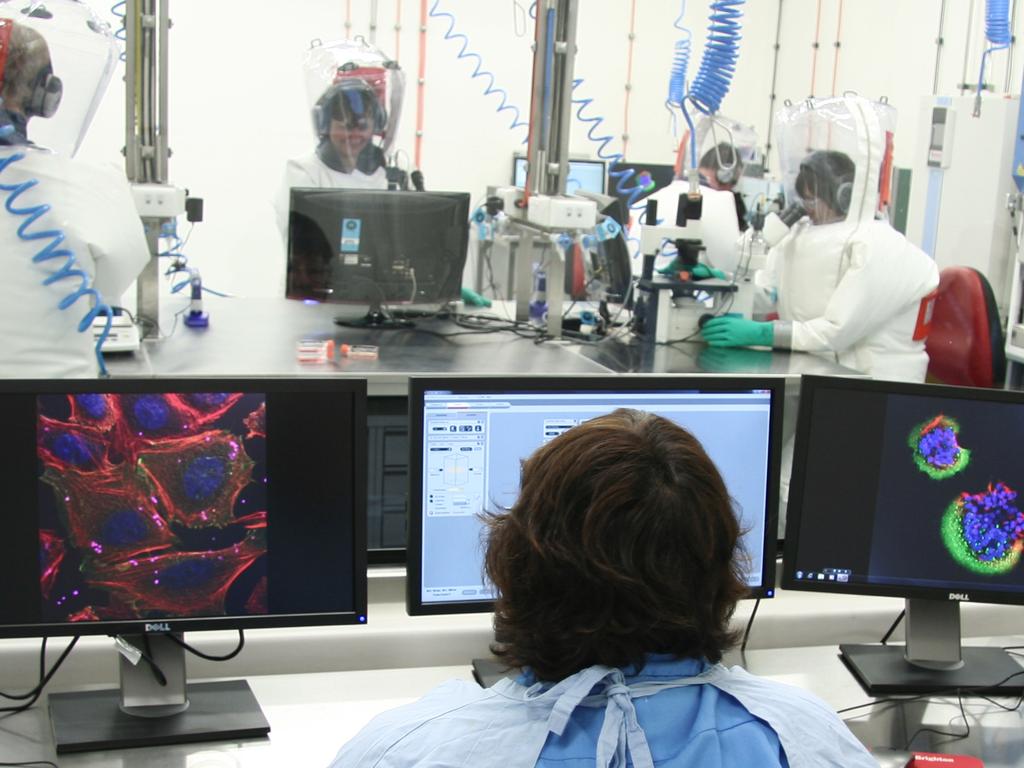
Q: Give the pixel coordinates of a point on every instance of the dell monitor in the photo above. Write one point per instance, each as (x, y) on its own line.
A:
(583, 176)
(910, 490)
(377, 248)
(146, 508)
(468, 436)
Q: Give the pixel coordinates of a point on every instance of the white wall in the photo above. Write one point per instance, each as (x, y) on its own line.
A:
(238, 107)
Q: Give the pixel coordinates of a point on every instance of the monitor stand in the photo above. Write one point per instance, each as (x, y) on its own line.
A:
(377, 318)
(933, 661)
(148, 712)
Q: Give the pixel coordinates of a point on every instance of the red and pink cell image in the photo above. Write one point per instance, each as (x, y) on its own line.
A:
(151, 505)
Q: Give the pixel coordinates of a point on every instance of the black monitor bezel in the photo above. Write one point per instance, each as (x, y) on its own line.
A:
(462, 199)
(419, 385)
(809, 387)
(355, 386)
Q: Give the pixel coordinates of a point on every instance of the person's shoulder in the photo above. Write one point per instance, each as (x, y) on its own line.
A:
(388, 735)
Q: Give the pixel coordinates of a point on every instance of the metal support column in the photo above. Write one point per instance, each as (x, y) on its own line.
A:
(146, 146)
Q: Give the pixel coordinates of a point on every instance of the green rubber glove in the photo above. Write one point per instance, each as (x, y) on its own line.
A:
(703, 272)
(729, 331)
(699, 272)
(474, 299)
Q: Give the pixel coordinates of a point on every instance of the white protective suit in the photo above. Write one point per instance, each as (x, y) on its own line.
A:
(94, 208)
(719, 227)
(853, 287)
(311, 171)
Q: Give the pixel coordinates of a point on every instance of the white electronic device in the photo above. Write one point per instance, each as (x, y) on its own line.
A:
(561, 212)
(123, 337)
(162, 201)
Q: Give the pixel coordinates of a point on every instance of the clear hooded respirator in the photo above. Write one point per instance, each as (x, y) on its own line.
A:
(726, 145)
(354, 80)
(835, 155)
(56, 60)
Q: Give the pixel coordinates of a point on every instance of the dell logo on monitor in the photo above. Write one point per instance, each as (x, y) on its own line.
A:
(959, 596)
(163, 626)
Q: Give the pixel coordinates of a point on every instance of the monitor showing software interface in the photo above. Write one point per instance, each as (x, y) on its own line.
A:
(473, 442)
(584, 175)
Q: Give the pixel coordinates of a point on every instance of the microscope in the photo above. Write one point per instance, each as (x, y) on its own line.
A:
(670, 308)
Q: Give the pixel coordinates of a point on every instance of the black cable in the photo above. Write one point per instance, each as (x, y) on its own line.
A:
(147, 656)
(750, 623)
(955, 736)
(32, 762)
(42, 674)
(892, 629)
(34, 694)
(208, 657)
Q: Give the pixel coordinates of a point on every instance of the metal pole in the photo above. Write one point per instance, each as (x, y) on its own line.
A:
(1013, 45)
(967, 48)
(146, 148)
(939, 43)
(565, 55)
(772, 97)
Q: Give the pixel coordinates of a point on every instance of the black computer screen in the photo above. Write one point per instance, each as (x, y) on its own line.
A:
(907, 490)
(467, 438)
(376, 247)
(157, 505)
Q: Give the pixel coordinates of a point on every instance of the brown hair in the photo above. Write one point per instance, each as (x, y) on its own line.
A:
(622, 543)
(28, 54)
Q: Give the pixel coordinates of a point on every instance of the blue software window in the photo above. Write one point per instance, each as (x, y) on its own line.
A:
(474, 442)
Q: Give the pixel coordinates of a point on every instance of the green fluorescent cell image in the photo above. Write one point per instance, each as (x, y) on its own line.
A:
(984, 531)
(937, 451)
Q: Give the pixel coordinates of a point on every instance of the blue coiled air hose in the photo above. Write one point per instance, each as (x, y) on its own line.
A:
(718, 64)
(680, 66)
(50, 250)
(478, 67)
(121, 32)
(997, 32)
(622, 177)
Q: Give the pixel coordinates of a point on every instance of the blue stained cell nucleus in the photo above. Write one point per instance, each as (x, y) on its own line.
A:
(151, 412)
(94, 406)
(203, 477)
(992, 522)
(207, 401)
(939, 446)
(122, 528)
(74, 449)
(188, 574)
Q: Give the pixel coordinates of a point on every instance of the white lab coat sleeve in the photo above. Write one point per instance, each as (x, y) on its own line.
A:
(869, 294)
(113, 232)
(766, 280)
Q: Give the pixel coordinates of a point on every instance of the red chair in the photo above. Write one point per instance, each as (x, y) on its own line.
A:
(965, 342)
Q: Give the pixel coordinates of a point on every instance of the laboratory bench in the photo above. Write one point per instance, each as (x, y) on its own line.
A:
(257, 337)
